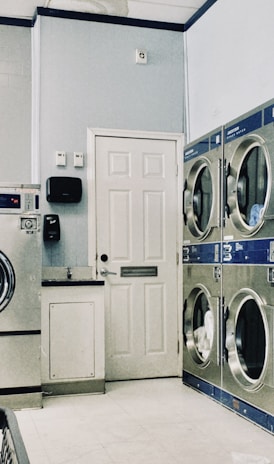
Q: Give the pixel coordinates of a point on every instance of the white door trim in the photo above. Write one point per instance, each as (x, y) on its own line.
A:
(178, 138)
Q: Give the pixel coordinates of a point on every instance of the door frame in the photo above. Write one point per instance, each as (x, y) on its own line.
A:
(178, 138)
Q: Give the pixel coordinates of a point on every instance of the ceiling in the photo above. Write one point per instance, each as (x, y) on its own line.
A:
(173, 11)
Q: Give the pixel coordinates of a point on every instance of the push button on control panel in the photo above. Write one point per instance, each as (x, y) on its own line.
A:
(29, 202)
(185, 254)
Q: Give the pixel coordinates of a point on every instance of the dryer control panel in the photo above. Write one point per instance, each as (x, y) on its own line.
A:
(19, 199)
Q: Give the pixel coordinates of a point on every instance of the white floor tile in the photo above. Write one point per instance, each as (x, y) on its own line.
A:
(157, 421)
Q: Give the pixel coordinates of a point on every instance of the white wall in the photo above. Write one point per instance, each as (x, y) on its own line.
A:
(89, 79)
(230, 64)
(15, 107)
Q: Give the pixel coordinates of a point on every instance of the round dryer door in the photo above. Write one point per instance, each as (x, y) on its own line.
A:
(248, 186)
(247, 339)
(199, 325)
(198, 199)
(7, 281)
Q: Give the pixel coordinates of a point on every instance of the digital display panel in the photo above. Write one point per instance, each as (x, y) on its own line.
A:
(10, 201)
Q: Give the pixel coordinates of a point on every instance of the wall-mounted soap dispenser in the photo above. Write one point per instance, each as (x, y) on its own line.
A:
(51, 227)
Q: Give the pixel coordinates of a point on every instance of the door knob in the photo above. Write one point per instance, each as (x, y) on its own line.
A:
(104, 272)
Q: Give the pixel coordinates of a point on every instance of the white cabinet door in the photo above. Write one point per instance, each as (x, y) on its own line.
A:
(71, 340)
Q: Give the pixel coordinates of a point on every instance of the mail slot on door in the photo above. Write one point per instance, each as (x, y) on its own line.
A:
(139, 271)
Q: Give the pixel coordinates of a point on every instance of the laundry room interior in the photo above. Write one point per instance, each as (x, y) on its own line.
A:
(136, 209)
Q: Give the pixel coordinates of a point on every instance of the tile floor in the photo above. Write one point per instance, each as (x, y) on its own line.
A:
(157, 421)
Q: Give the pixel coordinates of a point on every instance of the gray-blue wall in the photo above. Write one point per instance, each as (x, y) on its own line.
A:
(89, 78)
(15, 107)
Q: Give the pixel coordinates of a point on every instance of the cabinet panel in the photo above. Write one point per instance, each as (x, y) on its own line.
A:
(71, 340)
(20, 361)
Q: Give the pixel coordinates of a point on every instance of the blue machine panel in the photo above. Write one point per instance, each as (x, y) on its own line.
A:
(201, 385)
(269, 114)
(260, 251)
(255, 415)
(203, 146)
(243, 127)
(216, 140)
(196, 150)
(202, 253)
(248, 411)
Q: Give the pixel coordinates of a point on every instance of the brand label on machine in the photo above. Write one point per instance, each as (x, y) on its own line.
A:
(243, 127)
(196, 150)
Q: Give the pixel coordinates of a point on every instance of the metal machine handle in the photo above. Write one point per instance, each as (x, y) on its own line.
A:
(225, 349)
(104, 272)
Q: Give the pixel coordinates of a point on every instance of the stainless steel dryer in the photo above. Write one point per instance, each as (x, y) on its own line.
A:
(20, 282)
(201, 325)
(249, 184)
(248, 371)
(202, 198)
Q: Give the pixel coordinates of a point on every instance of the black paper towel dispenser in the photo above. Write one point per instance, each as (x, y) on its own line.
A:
(64, 189)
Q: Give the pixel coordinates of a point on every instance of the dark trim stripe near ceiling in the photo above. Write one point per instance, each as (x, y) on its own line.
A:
(108, 19)
(198, 14)
(99, 18)
(16, 21)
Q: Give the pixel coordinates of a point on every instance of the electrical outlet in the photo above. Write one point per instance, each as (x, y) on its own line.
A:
(61, 158)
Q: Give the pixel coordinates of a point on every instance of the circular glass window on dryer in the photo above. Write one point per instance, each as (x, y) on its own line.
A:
(248, 186)
(247, 352)
(199, 201)
(202, 199)
(252, 186)
(199, 326)
(250, 339)
(7, 281)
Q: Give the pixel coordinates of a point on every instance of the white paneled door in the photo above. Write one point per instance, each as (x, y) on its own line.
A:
(136, 202)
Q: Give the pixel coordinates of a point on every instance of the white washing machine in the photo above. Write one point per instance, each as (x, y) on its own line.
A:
(202, 199)
(20, 307)
(248, 371)
(249, 187)
(201, 326)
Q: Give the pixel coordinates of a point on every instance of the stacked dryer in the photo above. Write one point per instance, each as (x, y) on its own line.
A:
(238, 368)
(248, 264)
(202, 261)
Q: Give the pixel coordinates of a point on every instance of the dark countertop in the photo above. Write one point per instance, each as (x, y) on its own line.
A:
(72, 283)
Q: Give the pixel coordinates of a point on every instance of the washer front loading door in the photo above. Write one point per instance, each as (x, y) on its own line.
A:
(248, 186)
(7, 281)
(248, 338)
